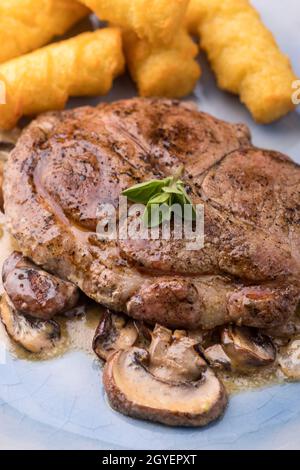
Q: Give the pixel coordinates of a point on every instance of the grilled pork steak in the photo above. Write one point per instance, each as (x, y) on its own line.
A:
(248, 272)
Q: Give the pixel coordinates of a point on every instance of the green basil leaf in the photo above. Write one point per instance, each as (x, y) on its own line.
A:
(187, 199)
(142, 192)
(155, 215)
(180, 186)
(159, 196)
(162, 198)
(179, 198)
(171, 190)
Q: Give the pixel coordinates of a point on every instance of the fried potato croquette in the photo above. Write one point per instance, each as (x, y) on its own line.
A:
(43, 80)
(244, 56)
(26, 25)
(157, 21)
(169, 71)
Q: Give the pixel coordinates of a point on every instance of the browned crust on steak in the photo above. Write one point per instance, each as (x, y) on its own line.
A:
(65, 163)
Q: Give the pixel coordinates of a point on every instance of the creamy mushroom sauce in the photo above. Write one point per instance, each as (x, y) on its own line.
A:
(78, 333)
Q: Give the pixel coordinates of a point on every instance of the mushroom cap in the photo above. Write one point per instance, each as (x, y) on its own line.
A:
(33, 334)
(247, 347)
(35, 292)
(114, 332)
(133, 390)
(217, 358)
(289, 359)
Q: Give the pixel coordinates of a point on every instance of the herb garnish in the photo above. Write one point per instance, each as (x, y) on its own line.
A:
(157, 193)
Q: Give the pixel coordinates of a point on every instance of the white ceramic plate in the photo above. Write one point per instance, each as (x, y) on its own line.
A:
(60, 403)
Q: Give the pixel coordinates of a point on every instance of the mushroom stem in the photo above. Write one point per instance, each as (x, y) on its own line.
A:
(114, 332)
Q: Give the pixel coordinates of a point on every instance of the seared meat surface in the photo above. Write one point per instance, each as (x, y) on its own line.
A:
(248, 272)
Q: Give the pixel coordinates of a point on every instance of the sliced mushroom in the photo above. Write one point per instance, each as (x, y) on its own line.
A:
(217, 358)
(247, 347)
(174, 357)
(144, 334)
(75, 312)
(35, 292)
(114, 332)
(289, 360)
(183, 391)
(34, 335)
(160, 342)
(203, 337)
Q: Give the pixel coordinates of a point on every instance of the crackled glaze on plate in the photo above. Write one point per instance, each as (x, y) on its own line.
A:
(60, 403)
